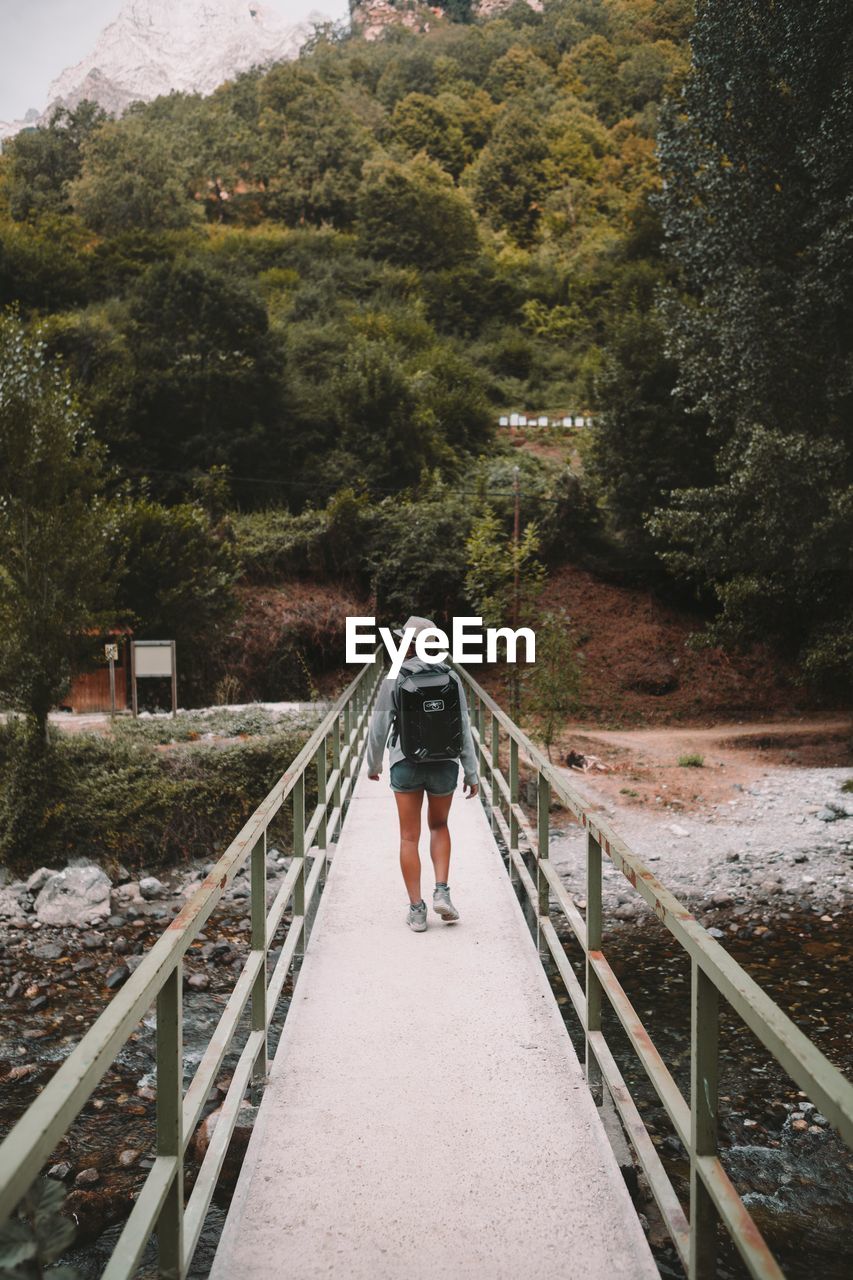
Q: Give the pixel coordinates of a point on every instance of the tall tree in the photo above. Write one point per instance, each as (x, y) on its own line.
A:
(756, 213)
(413, 215)
(44, 161)
(134, 177)
(205, 387)
(58, 535)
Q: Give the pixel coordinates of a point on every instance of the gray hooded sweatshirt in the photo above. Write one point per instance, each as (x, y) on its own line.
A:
(380, 726)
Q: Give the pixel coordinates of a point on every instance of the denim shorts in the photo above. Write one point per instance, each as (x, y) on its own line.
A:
(436, 777)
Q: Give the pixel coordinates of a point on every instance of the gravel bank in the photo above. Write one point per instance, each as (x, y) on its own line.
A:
(766, 846)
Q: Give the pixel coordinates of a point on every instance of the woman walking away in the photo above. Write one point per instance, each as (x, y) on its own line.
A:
(426, 708)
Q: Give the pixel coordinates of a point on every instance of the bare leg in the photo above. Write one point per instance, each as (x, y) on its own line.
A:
(438, 807)
(409, 812)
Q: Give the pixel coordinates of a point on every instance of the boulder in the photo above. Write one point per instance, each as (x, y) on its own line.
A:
(39, 879)
(77, 896)
(14, 901)
(150, 887)
(246, 1116)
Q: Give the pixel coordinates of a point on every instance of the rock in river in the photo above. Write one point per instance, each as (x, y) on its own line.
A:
(14, 901)
(39, 879)
(77, 896)
(150, 887)
(117, 977)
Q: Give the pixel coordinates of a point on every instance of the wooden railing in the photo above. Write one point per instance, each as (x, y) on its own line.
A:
(715, 977)
(334, 753)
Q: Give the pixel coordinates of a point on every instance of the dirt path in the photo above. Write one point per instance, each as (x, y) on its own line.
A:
(763, 819)
(641, 766)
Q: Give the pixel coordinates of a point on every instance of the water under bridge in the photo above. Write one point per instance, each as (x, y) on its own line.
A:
(425, 1110)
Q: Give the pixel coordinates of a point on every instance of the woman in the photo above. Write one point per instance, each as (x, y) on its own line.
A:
(409, 781)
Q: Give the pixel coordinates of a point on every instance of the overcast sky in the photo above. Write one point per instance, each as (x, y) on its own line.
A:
(40, 38)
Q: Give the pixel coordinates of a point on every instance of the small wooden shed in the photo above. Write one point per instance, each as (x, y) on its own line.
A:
(90, 687)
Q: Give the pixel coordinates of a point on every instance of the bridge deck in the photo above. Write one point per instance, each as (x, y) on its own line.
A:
(426, 1113)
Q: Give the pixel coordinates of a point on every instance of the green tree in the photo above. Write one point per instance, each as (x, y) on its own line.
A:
(412, 214)
(509, 179)
(423, 123)
(416, 557)
(590, 71)
(504, 579)
(553, 682)
(134, 177)
(43, 162)
(205, 388)
(315, 148)
(180, 568)
(383, 441)
(644, 444)
(756, 216)
(58, 534)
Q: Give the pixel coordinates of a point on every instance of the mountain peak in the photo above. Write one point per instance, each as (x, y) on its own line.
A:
(158, 46)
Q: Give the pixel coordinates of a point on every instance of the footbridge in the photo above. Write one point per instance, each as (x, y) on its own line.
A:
(425, 1111)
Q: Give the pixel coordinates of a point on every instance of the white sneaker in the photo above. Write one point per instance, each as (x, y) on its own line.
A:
(416, 918)
(442, 906)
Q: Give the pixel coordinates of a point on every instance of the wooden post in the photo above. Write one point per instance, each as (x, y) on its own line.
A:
(543, 807)
(299, 852)
(170, 1071)
(513, 800)
(593, 943)
(704, 1073)
(258, 880)
(495, 749)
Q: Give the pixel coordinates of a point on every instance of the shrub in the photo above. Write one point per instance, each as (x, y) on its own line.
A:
(118, 800)
(691, 761)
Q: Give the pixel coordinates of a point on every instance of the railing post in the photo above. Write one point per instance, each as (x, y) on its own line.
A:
(322, 826)
(704, 1070)
(496, 794)
(336, 769)
(543, 808)
(593, 943)
(259, 943)
(348, 734)
(359, 727)
(170, 1096)
(513, 798)
(322, 797)
(299, 852)
(478, 720)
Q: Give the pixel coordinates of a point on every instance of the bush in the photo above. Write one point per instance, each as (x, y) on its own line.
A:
(691, 761)
(273, 543)
(116, 800)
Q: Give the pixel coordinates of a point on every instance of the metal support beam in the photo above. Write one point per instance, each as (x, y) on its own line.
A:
(258, 876)
(704, 1074)
(543, 814)
(170, 1072)
(593, 944)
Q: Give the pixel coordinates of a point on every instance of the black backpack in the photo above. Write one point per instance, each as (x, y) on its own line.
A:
(427, 715)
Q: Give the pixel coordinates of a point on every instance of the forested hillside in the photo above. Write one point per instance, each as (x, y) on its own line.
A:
(291, 311)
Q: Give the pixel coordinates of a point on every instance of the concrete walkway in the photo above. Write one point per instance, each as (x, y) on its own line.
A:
(426, 1114)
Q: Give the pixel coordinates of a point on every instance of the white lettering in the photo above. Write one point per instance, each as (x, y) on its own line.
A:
(397, 655)
(431, 645)
(354, 640)
(460, 627)
(511, 637)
